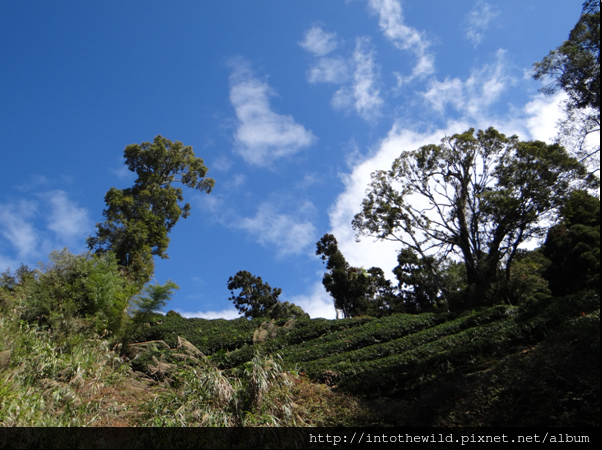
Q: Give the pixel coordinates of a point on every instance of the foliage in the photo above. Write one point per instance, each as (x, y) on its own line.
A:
(575, 68)
(261, 393)
(286, 310)
(573, 246)
(575, 65)
(155, 299)
(478, 196)
(256, 298)
(138, 219)
(71, 286)
(419, 290)
(355, 291)
(46, 383)
(527, 281)
(436, 365)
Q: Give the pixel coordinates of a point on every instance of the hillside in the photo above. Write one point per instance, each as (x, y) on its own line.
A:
(474, 368)
(501, 366)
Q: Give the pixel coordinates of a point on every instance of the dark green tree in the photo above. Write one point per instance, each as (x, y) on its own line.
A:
(419, 290)
(383, 298)
(138, 219)
(286, 310)
(353, 289)
(574, 67)
(255, 297)
(573, 246)
(479, 196)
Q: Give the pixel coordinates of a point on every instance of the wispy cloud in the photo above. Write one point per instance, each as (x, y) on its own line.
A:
(287, 234)
(319, 42)
(358, 74)
(221, 163)
(17, 229)
(66, 219)
(236, 181)
(363, 94)
(404, 37)
(262, 135)
(478, 20)
(475, 94)
(285, 230)
(329, 70)
(30, 229)
(309, 179)
(365, 91)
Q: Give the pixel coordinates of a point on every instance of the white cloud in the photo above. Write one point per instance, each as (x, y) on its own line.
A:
(213, 203)
(363, 94)
(66, 219)
(317, 304)
(478, 20)
(262, 135)
(403, 37)
(473, 96)
(368, 253)
(227, 314)
(17, 229)
(287, 234)
(31, 229)
(123, 173)
(329, 70)
(318, 42)
(309, 180)
(543, 114)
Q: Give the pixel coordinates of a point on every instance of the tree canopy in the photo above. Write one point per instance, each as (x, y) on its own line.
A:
(138, 219)
(479, 196)
(255, 297)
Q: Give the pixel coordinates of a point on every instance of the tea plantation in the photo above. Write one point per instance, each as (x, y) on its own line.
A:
(471, 368)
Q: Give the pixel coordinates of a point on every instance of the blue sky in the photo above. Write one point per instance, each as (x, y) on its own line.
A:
(290, 104)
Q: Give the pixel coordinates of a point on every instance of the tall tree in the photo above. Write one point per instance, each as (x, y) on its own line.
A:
(480, 196)
(574, 67)
(138, 219)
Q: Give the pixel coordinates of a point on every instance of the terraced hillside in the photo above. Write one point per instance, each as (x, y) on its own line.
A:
(429, 362)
